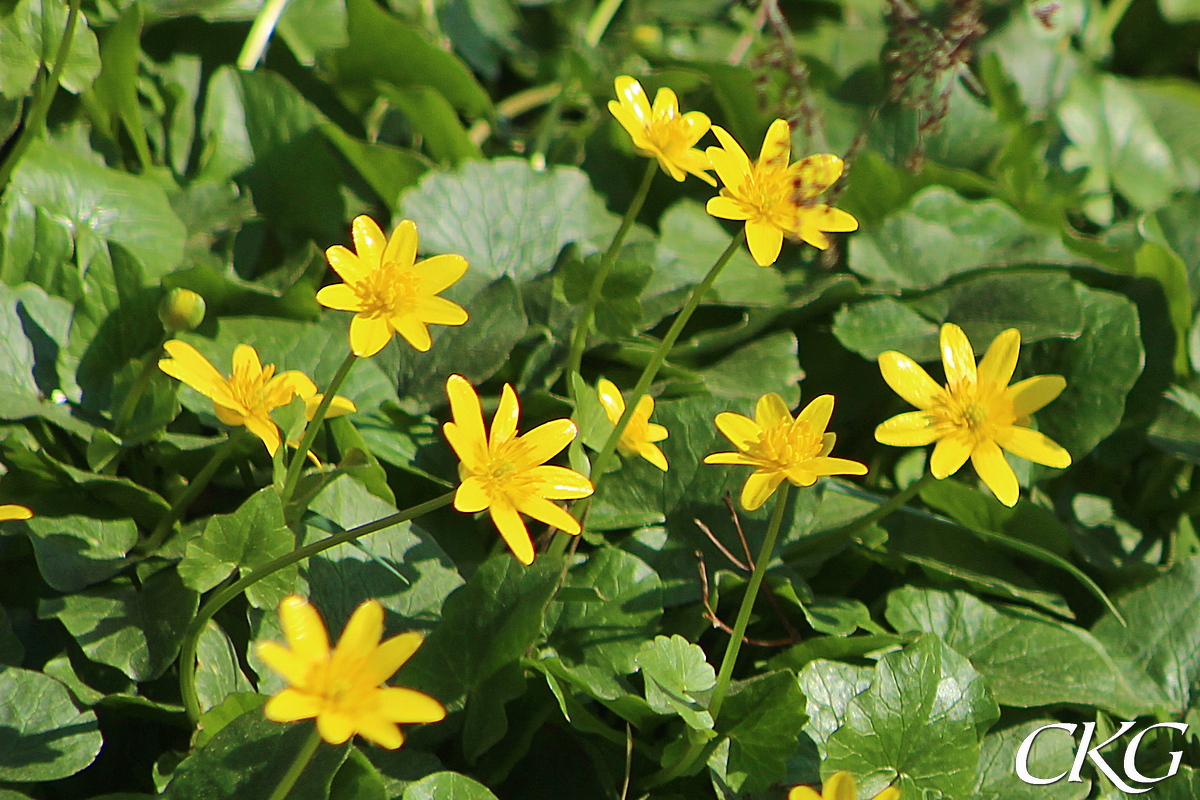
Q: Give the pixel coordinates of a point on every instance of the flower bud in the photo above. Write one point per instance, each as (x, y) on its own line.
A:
(181, 310)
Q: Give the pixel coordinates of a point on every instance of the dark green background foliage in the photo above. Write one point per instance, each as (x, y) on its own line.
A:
(1013, 164)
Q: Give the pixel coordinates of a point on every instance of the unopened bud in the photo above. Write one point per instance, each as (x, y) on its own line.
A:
(181, 310)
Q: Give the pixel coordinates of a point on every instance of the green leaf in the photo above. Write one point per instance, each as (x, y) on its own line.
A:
(45, 737)
(242, 541)
(74, 551)
(679, 680)
(382, 47)
(446, 786)
(940, 235)
(389, 170)
(1027, 659)
(872, 327)
(828, 688)
(248, 757)
(766, 364)
(218, 673)
(506, 218)
(29, 39)
(232, 707)
(1159, 649)
(435, 118)
(138, 631)
(919, 726)
(312, 27)
(763, 718)
(357, 779)
(115, 92)
(1053, 753)
(1157, 260)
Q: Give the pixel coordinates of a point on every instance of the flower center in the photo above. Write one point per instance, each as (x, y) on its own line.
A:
(963, 407)
(502, 475)
(787, 444)
(390, 290)
(766, 193)
(247, 388)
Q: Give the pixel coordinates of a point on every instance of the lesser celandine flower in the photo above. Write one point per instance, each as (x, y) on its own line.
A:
(9, 512)
(840, 786)
(660, 131)
(780, 447)
(640, 434)
(975, 414)
(249, 394)
(344, 689)
(776, 199)
(506, 473)
(388, 290)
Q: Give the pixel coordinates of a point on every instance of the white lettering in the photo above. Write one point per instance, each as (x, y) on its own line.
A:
(1131, 753)
(1027, 745)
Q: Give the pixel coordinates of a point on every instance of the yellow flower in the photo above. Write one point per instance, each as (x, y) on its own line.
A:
(773, 198)
(506, 473)
(343, 689)
(839, 787)
(781, 447)
(248, 395)
(975, 414)
(640, 434)
(388, 290)
(11, 512)
(662, 132)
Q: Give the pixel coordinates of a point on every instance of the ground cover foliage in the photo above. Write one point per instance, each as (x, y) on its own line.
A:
(1028, 166)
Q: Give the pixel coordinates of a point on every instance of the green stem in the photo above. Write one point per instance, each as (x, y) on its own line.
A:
(583, 325)
(1113, 14)
(187, 650)
(288, 782)
(260, 34)
(598, 23)
(35, 123)
(198, 484)
(650, 371)
(296, 466)
(140, 384)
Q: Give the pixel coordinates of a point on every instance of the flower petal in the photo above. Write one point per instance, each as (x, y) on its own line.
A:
(765, 240)
(950, 454)
(890, 793)
(770, 411)
(303, 629)
(994, 471)
(10, 512)
(466, 410)
(740, 459)
(734, 160)
(560, 483)
(803, 793)
(759, 487)
(908, 379)
(777, 145)
(187, 365)
(369, 241)
(374, 727)
(544, 511)
(544, 442)
(840, 786)
(346, 264)
(512, 530)
(368, 334)
(401, 247)
(824, 465)
(359, 638)
(726, 208)
(1033, 393)
(440, 273)
(801, 476)
(666, 105)
(741, 431)
(339, 297)
(912, 429)
(471, 496)
(957, 356)
(633, 97)
(1033, 446)
(291, 705)
(390, 656)
(656, 433)
(630, 121)
(652, 454)
(997, 365)
(504, 424)
(611, 399)
(264, 428)
(817, 413)
(286, 663)
(814, 174)
(338, 406)
(334, 726)
(413, 330)
(408, 706)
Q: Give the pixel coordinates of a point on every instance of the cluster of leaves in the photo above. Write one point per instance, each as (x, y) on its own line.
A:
(1057, 194)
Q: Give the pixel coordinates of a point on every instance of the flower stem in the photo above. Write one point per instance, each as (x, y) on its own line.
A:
(260, 34)
(35, 123)
(598, 23)
(650, 371)
(187, 650)
(140, 384)
(198, 484)
(288, 781)
(583, 325)
(296, 465)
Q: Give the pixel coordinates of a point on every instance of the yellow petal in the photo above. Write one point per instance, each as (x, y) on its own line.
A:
(759, 487)
(890, 793)
(997, 365)
(656, 433)
(801, 476)
(994, 471)
(813, 235)
(291, 705)
(368, 334)
(12, 512)
(335, 726)
(359, 639)
(390, 656)
(413, 330)
(913, 429)
(439, 311)
(338, 406)
(827, 443)
(544, 442)
(812, 175)
(697, 163)
(740, 459)
(471, 496)
(346, 264)
(375, 728)
(287, 664)
(803, 793)
(765, 240)
(545, 511)
(512, 530)
(408, 706)
(264, 428)
(440, 273)
(693, 125)
(504, 424)
(630, 121)
(777, 145)
(234, 417)
(611, 399)
(950, 454)
(339, 297)
(957, 356)
(644, 408)
(824, 465)
(840, 786)
(726, 208)
(741, 431)
(369, 241)
(908, 379)
(401, 247)
(633, 97)
(666, 105)
(303, 629)
(1033, 446)
(817, 413)
(187, 365)
(560, 483)
(280, 390)
(652, 454)
(770, 411)
(1033, 393)
(737, 161)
